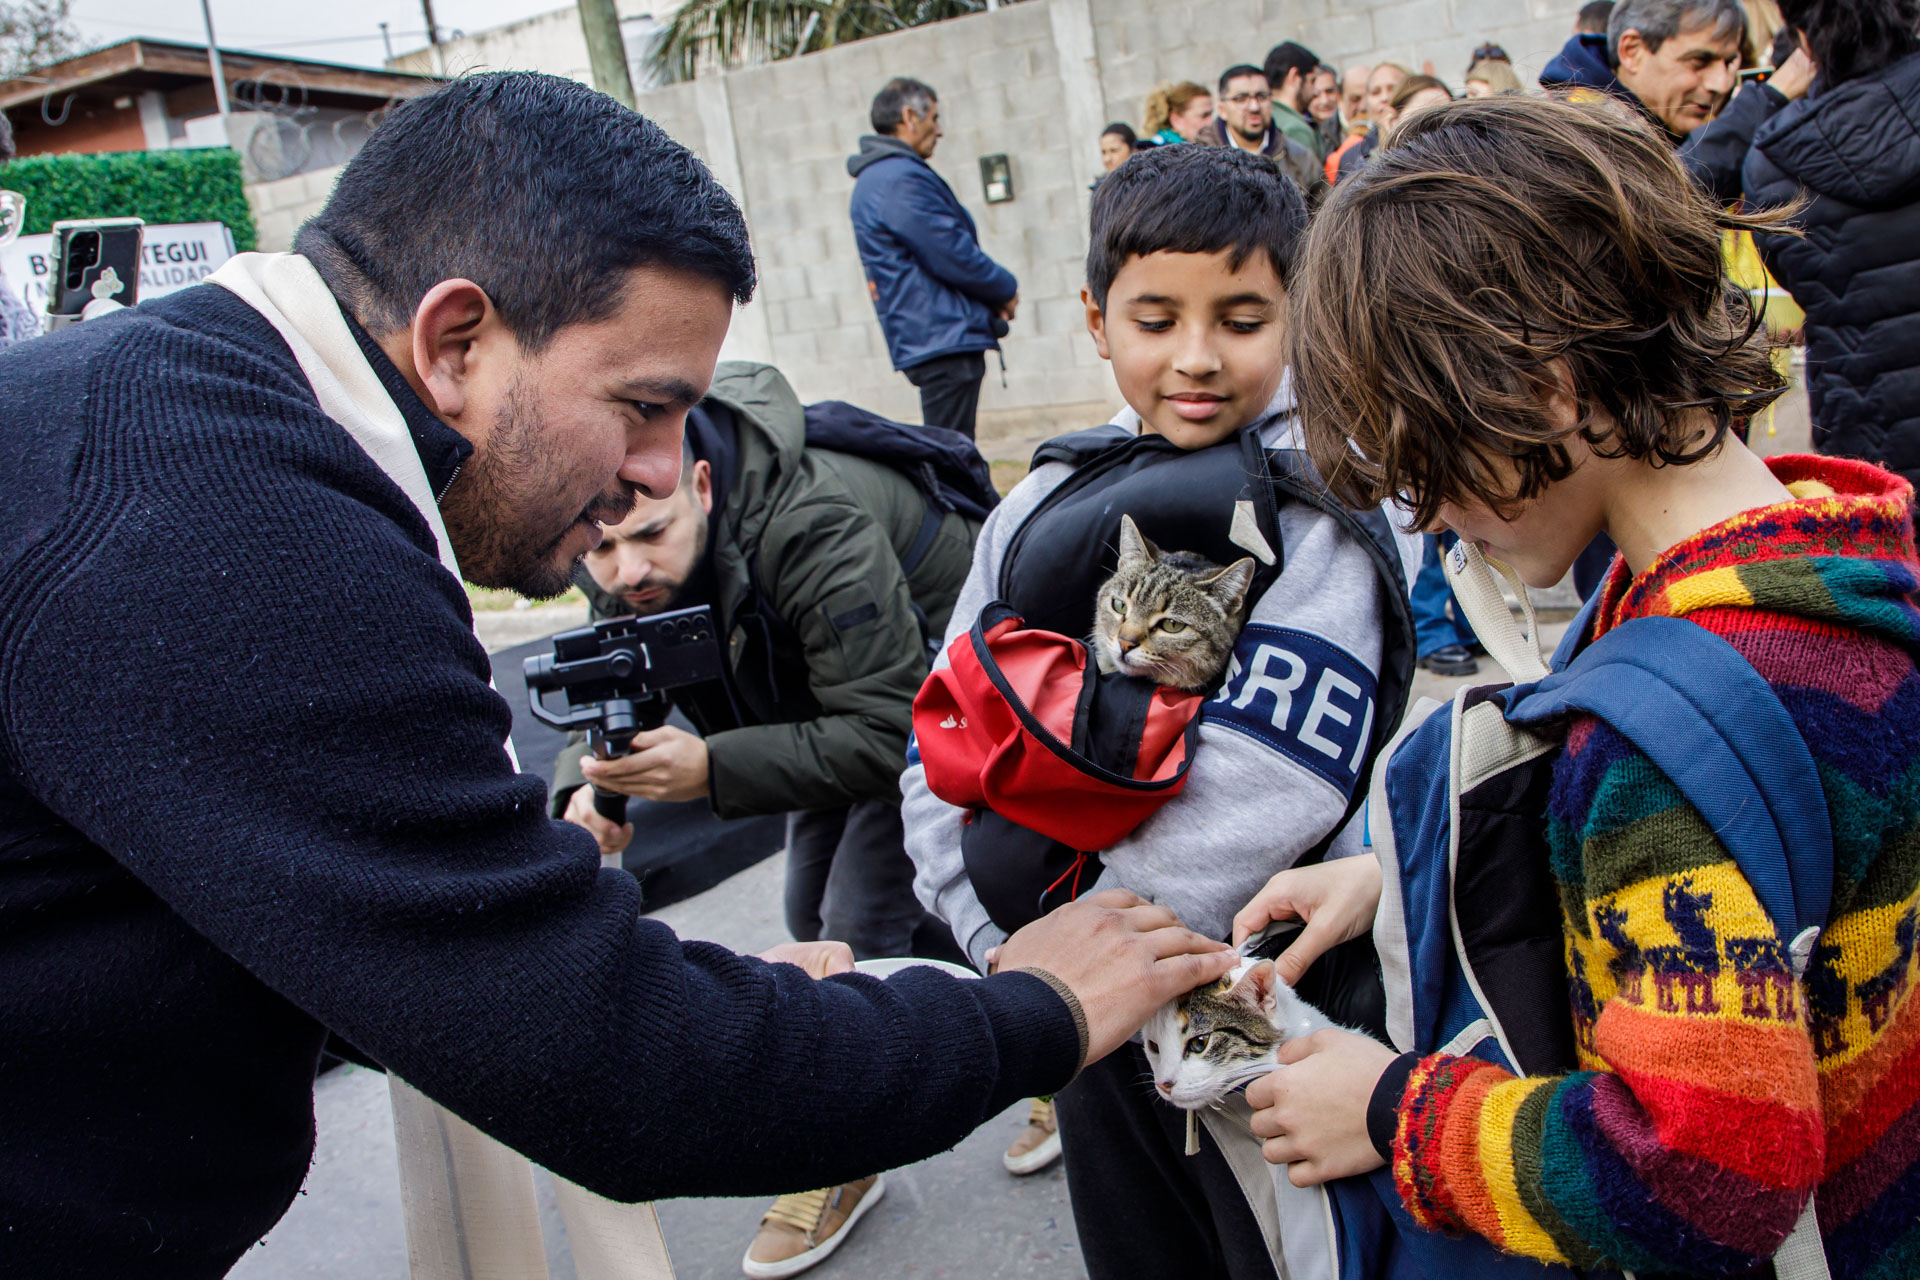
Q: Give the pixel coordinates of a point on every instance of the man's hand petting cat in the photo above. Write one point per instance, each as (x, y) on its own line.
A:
(1336, 900)
(1313, 1111)
(665, 764)
(1122, 958)
(819, 959)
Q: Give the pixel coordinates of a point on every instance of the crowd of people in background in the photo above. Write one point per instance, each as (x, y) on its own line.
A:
(1717, 77)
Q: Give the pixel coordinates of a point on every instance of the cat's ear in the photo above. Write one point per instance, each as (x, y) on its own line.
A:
(1229, 586)
(1134, 544)
(1256, 988)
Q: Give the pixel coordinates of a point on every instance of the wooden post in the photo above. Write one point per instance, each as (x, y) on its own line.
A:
(606, 51)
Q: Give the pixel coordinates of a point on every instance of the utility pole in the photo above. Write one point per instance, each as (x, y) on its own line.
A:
(213, 57)
(606, 51)
(387, 40)
(433, 28)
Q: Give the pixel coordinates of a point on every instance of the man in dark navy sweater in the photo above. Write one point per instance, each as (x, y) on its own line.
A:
(228, 826)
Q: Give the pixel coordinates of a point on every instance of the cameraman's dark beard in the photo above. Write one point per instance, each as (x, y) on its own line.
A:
(507, 512)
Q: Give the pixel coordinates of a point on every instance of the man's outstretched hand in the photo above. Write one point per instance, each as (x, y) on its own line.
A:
(1121, 956)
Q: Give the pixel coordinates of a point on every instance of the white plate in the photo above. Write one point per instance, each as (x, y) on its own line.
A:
(888, 967)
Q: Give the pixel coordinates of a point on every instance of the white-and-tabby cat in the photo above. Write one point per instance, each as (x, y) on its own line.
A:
(1168, 616)
(1216, 1038)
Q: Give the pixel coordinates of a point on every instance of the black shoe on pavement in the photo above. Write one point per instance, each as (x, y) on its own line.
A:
(1451, 660)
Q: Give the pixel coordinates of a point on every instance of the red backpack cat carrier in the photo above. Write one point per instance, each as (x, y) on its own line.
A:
(1055, 761)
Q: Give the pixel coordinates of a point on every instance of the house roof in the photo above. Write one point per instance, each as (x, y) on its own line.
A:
(142, 63)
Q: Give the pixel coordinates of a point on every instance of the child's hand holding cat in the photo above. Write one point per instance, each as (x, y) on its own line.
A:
(1313, 1111)
(1336, 899)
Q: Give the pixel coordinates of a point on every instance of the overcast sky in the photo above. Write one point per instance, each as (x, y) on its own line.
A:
(329, 30)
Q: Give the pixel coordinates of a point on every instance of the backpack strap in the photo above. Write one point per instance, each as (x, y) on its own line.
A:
(1695, 707)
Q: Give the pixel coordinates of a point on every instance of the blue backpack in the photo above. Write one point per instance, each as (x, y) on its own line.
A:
(1469, 926)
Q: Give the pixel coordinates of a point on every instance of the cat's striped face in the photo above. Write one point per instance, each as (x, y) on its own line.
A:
(1209, 1041)
(1168, 616)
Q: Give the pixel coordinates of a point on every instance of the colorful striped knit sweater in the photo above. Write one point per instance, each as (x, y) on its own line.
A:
(1713, 1094)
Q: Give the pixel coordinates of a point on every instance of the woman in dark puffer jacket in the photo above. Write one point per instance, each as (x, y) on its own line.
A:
(1853, 147)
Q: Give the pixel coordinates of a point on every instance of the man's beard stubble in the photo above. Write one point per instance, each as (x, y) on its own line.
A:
(507, 512)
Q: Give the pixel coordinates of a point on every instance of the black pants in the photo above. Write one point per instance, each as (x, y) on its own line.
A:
(849, 879)
(1143, 1208)
(950, 390)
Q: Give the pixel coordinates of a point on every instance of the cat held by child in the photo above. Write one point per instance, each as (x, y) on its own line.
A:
(1219, 1037)
(1168, 616)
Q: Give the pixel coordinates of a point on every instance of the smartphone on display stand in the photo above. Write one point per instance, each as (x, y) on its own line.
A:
(93, 259)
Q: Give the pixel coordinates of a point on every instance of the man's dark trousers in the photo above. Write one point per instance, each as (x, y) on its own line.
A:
(849, 879)
(950, 389)
(1141, 1206)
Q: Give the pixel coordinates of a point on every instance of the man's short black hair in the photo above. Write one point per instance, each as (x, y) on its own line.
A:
(1193, 200)
(1236, 71)
(1593, 17)
(536, 188)
(1290, 56)
(894, 97)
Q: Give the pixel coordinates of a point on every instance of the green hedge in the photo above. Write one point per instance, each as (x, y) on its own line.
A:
(200, 184)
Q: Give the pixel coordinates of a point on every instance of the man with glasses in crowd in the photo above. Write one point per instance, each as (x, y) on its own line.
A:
(1246, 121)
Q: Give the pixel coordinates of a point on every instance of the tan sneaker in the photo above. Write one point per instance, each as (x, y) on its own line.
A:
(1038, 1144)
(803, 1230)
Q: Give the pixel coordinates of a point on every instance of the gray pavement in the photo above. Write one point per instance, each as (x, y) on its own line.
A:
(958, 1214)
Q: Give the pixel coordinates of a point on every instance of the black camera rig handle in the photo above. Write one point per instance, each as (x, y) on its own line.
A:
(615, 675)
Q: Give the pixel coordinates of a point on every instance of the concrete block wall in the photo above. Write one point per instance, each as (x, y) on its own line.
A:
(1004, 88)
(280, 207)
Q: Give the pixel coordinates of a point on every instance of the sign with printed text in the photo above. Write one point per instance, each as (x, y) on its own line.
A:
(171, 258)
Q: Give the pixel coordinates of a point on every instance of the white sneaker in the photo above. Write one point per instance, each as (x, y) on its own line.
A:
(803, 1230)
(1038, 1144)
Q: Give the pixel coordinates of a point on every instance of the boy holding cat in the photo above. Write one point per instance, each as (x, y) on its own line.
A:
(1577, 368)
(1187, 274)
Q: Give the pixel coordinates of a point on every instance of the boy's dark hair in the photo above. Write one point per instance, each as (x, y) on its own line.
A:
(1193, 200)
(1440, 289)
(1854, 38)
(1121, 130)
(897, 94)
(1290, 56)
(1593, 17)
(1236, 71)
(538, 189)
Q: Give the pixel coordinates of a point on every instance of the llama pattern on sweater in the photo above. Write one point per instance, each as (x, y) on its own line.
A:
(1715, 1093)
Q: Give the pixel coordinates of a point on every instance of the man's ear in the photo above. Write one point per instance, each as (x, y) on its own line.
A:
(1631, 52)
(702, 481)
(1096, 322)
(445, 324)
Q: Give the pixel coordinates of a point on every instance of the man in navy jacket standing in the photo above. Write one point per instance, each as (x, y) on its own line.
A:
(943, 302)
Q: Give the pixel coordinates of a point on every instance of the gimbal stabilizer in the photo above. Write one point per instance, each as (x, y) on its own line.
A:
(616, 674)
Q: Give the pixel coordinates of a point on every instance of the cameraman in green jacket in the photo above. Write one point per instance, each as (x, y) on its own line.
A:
(798, 552)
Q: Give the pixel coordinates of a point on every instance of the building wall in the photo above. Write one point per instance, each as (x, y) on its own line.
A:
(89, 127)
(280, 207)
(1035, 80)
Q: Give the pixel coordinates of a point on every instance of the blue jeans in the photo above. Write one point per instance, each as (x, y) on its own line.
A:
(1437, 620)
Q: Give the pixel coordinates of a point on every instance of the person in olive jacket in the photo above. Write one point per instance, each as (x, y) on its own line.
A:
(1852, 147)
(798, 552)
